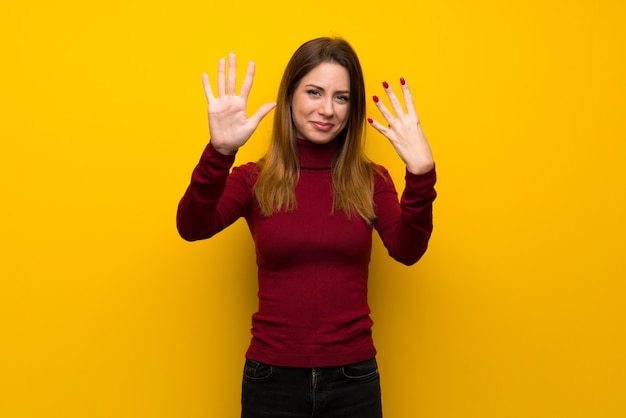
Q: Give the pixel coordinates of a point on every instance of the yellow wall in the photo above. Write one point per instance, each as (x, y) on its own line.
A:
(517, 310)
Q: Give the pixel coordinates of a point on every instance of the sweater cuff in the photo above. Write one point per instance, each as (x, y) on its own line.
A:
(419, 181)
(215, 155)
(213, 164)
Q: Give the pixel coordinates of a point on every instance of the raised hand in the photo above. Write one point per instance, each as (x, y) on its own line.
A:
(404, 130)
(229, 125)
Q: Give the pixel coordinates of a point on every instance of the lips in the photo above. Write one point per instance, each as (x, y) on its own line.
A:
(322, 126)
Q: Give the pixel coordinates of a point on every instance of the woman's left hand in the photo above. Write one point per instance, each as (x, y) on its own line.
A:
(404, 130)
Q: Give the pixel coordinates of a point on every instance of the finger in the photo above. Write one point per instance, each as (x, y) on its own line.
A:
(408, 97)
(393, 99)
(262, 112)
(208, 93)
(247, 82)
(383, 109)
(379, 127)
(221, 83)
(232, 74)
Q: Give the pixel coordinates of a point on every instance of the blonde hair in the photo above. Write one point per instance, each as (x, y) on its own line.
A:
(352, 172)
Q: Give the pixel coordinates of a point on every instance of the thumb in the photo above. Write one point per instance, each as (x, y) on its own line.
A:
(262, 112)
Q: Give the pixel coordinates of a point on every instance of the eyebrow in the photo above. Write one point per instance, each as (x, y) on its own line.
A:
(323, 89)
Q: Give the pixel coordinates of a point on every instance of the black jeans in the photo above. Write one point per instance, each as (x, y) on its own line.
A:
(351, 391)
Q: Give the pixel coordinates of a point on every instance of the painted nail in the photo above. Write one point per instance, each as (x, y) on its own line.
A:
(385, 85)
(402, 81)
(375, 99)
(370, 120)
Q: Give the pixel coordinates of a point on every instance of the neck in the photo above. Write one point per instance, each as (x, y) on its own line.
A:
(316, 156)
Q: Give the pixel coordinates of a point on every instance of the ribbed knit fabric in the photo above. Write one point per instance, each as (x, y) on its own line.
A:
(312, 264)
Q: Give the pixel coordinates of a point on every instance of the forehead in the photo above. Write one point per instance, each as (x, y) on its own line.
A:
(328, 75)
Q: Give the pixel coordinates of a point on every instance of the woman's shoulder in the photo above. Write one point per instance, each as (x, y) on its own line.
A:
(380, 172)
(249, 166)
(250, 171)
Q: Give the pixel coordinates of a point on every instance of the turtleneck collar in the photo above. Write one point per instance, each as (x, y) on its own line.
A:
(316, 156)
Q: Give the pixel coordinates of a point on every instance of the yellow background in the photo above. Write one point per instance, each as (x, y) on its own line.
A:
(517, 309)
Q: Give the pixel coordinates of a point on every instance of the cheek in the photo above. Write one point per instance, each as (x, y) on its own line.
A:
(301, 108)
(343, 115)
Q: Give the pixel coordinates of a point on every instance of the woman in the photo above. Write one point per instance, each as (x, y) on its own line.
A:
(311, 205)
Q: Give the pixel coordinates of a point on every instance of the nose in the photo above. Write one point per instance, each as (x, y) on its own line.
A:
(326, 107)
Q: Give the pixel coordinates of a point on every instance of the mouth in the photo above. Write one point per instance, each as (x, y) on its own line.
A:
(322, 126)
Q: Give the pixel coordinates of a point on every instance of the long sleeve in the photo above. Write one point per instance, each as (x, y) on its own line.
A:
(214, 198)
(405, 227)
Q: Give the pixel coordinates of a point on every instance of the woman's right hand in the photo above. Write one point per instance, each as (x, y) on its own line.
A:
(229, 125)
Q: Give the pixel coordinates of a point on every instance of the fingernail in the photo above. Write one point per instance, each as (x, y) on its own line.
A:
(370, 120)
(385, 84)
(402, 81)
(375, 99)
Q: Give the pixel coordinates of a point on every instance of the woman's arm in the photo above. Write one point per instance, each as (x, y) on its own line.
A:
(197, 216)
(405, 227)
(215, 199)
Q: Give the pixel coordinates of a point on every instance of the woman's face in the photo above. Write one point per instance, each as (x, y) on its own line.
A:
(320, 103)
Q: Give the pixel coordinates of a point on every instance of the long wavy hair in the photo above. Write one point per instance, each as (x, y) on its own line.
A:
(352, 172)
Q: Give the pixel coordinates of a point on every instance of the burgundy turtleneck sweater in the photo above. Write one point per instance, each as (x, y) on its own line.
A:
(312, 264)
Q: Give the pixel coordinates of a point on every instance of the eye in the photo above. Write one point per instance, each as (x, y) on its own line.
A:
(313, 92)
(343, 98)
